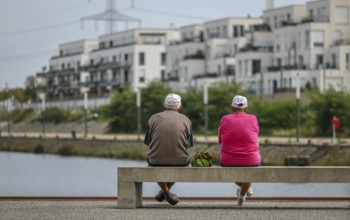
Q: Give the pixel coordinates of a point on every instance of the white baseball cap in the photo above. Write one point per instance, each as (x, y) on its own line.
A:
(172, 100)
(239, 102)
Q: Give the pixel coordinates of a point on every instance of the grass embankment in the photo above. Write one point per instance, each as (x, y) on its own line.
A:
(135, 150)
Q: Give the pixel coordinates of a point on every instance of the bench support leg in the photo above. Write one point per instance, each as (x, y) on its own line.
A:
(129, 194)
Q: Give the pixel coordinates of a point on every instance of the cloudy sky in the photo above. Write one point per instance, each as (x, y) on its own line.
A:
(31, 30)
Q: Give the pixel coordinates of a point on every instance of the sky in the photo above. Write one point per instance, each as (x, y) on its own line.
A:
(31, 30)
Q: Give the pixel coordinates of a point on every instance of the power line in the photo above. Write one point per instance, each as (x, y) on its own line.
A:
(20, 57)
(64, 10)
(39, 29)
(170, 14)
(44, 39)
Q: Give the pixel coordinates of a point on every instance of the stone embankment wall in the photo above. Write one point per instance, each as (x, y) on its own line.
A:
(272, 154)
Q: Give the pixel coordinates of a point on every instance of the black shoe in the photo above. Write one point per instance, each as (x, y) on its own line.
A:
(160, 196)
(171, 198)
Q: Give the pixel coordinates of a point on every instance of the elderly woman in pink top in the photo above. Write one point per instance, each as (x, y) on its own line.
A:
(238, 137)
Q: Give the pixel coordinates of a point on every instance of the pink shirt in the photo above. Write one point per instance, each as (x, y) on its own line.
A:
(238, 136)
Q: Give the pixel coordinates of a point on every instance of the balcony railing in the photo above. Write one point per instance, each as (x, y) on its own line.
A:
(288, 23)
(205, 75)
(341, 42)
(250, 47)
(198, 55)
(321, 19)
(261, 28)
(286, 67)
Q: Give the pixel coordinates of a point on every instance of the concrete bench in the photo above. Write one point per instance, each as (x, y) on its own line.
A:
(130, 179)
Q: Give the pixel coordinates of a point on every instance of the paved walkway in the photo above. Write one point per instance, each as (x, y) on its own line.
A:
(211, 139)
(194, 210)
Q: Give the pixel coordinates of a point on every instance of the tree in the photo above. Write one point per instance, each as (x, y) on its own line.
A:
(327, 105)
(29, 90)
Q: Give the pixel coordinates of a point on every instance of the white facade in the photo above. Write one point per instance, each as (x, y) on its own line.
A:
(311, 41)
(132, 57)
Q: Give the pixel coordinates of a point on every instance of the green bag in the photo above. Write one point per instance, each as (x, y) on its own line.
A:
(202, 159)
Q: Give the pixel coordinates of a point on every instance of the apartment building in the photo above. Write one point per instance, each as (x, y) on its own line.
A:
(63, 77)
(206, 52)
(267, 55)
(311, 41)
(132, 57)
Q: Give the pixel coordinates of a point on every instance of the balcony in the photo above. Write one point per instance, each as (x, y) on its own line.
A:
(193, 39)
(252, 48)
(198, 55)
(173, 76)
(105, 66)
(205, 75)
(319, 19)
(104, 47)
(286, 67)
(341, 42)
(66, 55)
(261, 28)
(287, 23)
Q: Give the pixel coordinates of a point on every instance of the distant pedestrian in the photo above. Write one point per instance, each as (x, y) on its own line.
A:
(168, 136)
(239, 145)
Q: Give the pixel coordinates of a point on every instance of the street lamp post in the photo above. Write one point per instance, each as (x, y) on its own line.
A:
(205, 101)
(8, 116)
(138, 105)
(85, 92)
(7, 109)
(298, 105)
(42, 97)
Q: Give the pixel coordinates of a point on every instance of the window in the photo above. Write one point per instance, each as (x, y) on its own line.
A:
(276, 22)
(78, 64)
(224, 31)
(307, 39)
(242, 30)
(111, 43)
(91, 62)
(317, 38)
(126, 76)
(319, 61)
(301, 61)
(240, 67)
(246, 67)
(142, 77)
(279, 62)
(311, 14)
(235, 31)
(141, 58)
(126, 57)
(114, 58)
(102, 45)
(342, 15)
(62, 66)
(163, 59)
(334, 60)
(162, 75)
(347, 61)
(256, 66)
